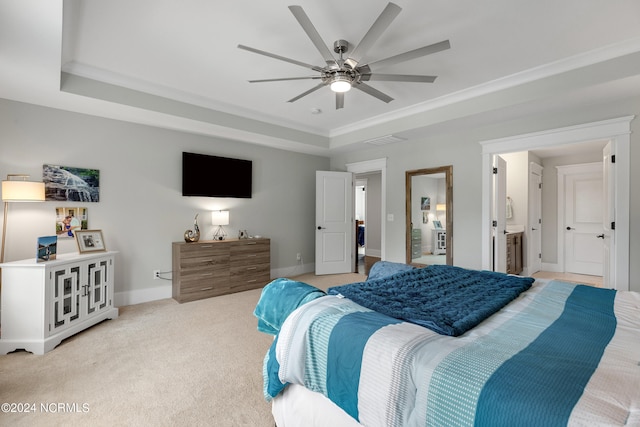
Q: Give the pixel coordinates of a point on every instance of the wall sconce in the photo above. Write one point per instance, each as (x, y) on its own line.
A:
(441, 207)
(219, 218)
(16, 188)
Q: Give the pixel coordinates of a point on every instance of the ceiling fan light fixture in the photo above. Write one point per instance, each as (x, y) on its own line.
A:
(341, 82)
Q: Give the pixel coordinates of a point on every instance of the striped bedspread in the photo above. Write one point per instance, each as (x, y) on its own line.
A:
(560, 354)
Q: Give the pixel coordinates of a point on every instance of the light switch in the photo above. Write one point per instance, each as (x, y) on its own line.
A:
(390, 217)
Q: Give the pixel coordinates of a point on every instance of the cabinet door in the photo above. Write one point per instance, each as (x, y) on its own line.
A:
(97, 286)
(65, 302)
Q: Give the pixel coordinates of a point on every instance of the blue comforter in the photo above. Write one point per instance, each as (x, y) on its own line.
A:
(560, 354)
(446, 299)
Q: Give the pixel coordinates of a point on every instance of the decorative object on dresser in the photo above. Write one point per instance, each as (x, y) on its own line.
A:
(191, 236)
(18, 191)
(220, 218)
(212, 268)
(47, 248)
(46, 302)
(90, 241)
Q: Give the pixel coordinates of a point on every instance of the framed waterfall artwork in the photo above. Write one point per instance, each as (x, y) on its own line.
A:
(71, 184)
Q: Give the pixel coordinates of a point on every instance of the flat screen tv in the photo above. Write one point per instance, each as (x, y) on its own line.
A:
(213, 176)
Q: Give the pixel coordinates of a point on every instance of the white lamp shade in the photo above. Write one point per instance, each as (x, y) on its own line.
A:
(441, 207)
(220, 217)
(22, 191)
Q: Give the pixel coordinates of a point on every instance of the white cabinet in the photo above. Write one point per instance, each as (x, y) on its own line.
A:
(46, 302)
(439, 241)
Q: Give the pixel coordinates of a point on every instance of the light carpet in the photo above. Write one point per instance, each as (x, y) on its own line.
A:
(158, 364)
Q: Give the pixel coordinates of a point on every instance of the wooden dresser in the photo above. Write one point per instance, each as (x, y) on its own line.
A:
(211, 268)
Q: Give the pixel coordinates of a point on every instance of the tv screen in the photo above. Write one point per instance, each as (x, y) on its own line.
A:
(213, 176)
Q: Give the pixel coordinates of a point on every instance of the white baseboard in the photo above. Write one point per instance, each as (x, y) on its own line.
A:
(554, 268)
(141, 295)
(164, 292)
(373, 252)
(296, 270)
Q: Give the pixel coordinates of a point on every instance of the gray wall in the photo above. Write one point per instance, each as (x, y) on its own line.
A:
(141, 209)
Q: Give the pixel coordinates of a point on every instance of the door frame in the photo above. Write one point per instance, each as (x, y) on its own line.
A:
(377, 165)
(534, 219)
(617, 131)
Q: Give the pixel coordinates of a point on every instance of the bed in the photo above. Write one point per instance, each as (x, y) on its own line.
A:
(548, 353)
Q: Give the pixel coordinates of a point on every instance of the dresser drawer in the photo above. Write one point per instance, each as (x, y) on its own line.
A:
(203, 270)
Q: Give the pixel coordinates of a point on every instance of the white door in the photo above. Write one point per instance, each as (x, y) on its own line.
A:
(500, 214)
(608, 274)
(334, 222)
(534, 235)
(584, 250)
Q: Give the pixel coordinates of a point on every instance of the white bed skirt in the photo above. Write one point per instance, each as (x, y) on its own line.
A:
(297, 406)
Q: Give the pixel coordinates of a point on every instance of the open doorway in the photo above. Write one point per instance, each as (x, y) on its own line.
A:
(373, 173)
(567, 237)
(617, 132)
(368, 218)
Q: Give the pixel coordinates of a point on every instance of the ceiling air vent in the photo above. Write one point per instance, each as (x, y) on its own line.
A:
(384, 140)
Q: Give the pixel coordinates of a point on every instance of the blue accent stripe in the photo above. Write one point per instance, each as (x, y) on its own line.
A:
(540, 385)
(346, 347)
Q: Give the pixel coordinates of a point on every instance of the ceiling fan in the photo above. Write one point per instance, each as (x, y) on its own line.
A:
(343, 74)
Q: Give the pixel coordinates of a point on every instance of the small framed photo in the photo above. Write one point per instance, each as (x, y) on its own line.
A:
(437, 225)
(90, 241)
(47, 248)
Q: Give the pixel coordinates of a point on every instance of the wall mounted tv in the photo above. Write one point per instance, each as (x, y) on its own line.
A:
(213, 176)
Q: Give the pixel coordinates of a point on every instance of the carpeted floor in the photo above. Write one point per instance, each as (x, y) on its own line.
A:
(159, 364)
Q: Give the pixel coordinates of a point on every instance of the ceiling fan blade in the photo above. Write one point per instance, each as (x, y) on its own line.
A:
(379, 26)
(313, 89)
(313, 34)
(397, 78)
(339, 100)
(284, 79)
(282, 58)
(412, 54)
(373, 92)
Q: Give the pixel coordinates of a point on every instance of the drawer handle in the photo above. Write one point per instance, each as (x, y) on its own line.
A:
(206, 274)
(252, 243)
(252, 255)
(207, 289)
(251, 281)
(206, 246)
(252, 268)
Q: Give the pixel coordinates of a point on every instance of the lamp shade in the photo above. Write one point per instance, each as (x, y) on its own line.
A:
(441, 207)
(22, 191)
(220, 217)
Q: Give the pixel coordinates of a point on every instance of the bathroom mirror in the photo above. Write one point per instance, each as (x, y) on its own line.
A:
(429, 216)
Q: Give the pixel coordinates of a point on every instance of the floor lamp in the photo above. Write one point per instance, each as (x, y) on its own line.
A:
(16, 188)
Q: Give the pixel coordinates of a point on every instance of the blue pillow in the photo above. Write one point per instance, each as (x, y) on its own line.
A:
(382, 269)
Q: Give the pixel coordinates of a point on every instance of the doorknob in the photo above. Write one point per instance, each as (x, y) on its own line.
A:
(533, 229)
(600, 236)
(569, 228)
(321, 228)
